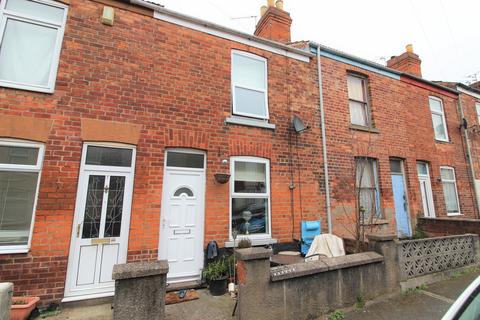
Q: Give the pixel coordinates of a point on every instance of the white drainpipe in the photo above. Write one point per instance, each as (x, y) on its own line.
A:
(324, 143)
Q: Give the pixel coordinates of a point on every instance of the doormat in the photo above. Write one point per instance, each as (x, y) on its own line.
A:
(181, 296)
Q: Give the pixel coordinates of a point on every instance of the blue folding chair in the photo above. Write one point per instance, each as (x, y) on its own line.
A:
(310, 229)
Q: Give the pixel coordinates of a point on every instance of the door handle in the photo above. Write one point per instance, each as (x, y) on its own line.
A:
(79, 226)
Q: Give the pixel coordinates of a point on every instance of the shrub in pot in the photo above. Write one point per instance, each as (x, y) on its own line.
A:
(22, 307)
(216, 273)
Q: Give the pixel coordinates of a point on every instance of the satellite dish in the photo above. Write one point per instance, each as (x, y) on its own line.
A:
(298, 125)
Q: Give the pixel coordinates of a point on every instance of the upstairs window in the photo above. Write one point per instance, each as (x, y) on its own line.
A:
(438, 119)
(450, 193)
(477, 108)
(249, 85)
(358, 101)
(20, 166)
(31, 34)
(367, 187)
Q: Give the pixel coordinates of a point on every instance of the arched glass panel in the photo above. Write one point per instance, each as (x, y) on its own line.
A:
(183, 190)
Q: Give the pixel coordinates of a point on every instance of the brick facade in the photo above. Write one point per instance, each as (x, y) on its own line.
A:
(174, 83)
(170, 87)
(402, 129)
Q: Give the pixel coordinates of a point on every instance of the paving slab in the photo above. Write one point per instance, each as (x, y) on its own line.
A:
(432, 303)
(206, 307)
(413, 306)
(452, 288)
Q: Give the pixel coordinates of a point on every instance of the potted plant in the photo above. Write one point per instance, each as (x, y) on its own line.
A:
(22, 307)
(216, 273)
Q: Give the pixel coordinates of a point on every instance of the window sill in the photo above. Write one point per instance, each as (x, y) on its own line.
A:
(454, 214)
(13, 251)
(249, 122)
(26, 87)
(365, 129)
(443, 142)
(255, 242)
(377, 222)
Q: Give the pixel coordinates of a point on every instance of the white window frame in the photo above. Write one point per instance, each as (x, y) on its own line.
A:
(265, 91)
(454, 181)
(113, 145)
(251, 195)
(37, 168)
(7, 14)
(477, 109)
(442, 113)
(365, 103)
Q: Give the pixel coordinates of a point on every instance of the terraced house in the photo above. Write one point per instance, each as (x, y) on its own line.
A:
(129, 132)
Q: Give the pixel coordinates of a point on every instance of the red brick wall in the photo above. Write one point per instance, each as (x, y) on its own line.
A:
(400, 112)
(175, 83)
(447, 227)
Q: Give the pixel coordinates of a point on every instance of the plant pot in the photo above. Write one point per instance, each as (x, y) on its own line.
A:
(23, 311)
(218, 287)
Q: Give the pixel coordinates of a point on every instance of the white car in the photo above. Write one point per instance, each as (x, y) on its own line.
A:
(467, 306)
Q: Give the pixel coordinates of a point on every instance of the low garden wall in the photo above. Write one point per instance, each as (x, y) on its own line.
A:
(425, 256)
(448, 226)
(309, 289)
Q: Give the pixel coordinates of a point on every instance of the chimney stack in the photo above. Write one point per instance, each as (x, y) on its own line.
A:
(275, 23)
(407, 62)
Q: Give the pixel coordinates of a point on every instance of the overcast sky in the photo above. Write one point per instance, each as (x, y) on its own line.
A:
(444, 33)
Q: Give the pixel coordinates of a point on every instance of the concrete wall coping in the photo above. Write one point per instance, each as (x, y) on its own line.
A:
(467, 235)
(381, 238)
(456, 220)
(254, 253)
(139, 269)
(323, 265)
(6, 286)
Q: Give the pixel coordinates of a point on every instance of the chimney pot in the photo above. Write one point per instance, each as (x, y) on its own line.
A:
(279, 4)
(409, 48)
(271, 3)
(263, 9)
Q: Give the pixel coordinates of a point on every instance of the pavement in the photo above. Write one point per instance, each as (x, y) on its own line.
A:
(430, 302)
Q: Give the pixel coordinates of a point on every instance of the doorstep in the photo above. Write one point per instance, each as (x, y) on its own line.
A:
(184, 285)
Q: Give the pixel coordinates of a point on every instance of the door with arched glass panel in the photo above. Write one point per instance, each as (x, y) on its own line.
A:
(182, 222)
(100, 233)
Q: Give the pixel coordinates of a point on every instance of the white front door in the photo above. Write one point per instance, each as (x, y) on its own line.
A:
(101, 223)
(425, 189)
(182, 220)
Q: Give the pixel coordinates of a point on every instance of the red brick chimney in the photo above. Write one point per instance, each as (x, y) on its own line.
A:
(275, 23)
(407, 62)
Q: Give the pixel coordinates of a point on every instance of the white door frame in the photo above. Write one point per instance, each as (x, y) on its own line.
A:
(85, 171)
(429, 198)
(162, 252)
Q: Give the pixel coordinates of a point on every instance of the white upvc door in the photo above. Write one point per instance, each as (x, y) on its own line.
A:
(100, 226)
(426, 190)
(182, 217)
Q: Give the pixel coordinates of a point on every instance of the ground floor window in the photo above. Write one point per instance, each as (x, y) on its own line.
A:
(20, 166)
(250, 197)
(450, 190)
(367, 189)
